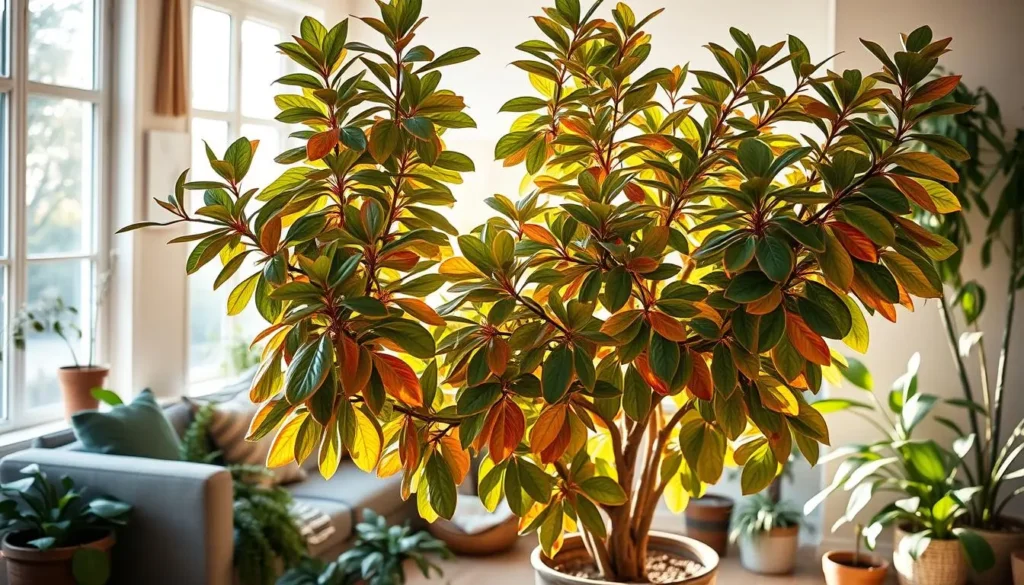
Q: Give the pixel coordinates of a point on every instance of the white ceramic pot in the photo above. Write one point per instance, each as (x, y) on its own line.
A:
(942, 563)
(573, 549)
(772, 553)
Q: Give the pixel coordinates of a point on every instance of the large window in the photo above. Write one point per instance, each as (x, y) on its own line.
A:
(51, 116)
(234, 63)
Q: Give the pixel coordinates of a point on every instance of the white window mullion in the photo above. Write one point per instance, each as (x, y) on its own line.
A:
(18, 120)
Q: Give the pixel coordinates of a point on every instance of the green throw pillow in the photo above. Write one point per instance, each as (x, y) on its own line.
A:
(139, 429)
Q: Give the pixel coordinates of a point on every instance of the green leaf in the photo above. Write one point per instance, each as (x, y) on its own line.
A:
(749, 286)
(775, 257)
(858, 375)
(664, 357)
(367, 306)
(108, 397)
(557, 373)
(450, 58)
(759, 470)
(478, 398)
(410, 336)
(604, 490)
(636, 395)
(617, 288)
(309, 369)
(977, 550)
(723, 370)
(441, 487)
(90, 566)
(534, 481)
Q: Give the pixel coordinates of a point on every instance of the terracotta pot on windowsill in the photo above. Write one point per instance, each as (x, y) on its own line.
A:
(77, 384)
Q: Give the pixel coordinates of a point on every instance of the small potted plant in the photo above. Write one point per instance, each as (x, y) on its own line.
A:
(50, 314)
(931, 546)
(52, 535)
(853, 568)
(377, 558)
(767, 533)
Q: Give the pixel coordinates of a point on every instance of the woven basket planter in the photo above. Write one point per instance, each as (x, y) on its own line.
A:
(942, 563)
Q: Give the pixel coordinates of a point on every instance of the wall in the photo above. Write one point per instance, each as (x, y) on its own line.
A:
(987, 50)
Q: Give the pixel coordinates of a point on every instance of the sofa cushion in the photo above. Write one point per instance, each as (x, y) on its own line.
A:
(137, 429)
(354, 488)
(321, 540)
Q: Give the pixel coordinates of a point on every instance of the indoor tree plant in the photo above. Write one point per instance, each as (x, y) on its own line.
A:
(52, 535)
(757, 237)
(985, 157)
(767, 532)
(931, 546)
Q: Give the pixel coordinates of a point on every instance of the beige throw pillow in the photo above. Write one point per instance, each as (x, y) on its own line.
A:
(227, 430)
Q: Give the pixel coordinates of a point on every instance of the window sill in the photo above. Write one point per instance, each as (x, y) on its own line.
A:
(26, 434)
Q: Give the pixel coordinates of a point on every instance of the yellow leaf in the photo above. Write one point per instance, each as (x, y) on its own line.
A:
(242, 294)
(282, 450)
(944, 199)
(542, 84)
(390, 464)
(778, 398)
(330, 451)
(459, 269)
(676, 495)
(367, 443)
(859, 336)
(926, 164)
(423, 504)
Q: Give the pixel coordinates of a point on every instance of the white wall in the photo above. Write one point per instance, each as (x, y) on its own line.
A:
(988, 50)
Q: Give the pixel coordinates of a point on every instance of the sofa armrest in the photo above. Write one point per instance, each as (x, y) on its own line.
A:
(181, 528)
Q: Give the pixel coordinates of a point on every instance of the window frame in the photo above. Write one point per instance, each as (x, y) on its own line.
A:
(239, 11)
(18, 89)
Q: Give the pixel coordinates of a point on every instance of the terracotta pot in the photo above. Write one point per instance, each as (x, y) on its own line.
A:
(31, 566)
(77, 383)
(771, 553)
(574, 549)
(1003, 543)
(942, 563)
(707, 520)
(1017, 562)
(839, 569)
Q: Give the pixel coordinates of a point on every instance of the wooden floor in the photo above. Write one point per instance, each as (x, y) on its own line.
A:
(513, 568)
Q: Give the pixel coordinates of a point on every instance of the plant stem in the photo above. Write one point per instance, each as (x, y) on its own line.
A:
(965, 382)
(1004, 352)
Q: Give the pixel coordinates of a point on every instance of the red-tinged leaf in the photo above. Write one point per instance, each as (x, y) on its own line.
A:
(497, 355)
(635, 193)
(549, 424)
(507, 431)
(927, 164)
(270, 236)
(321, 144)
(539, 233)
(409, 445)
(856, 243)
(399, 380)
(915, 192)
(817, 109)
(765, 304)
(668, 327)
(700, 383)
(420, 310)
(556, 449)
(620, 322)
(356, 365)
(455, 456)
(403, 260)
(642, 265)
(934, 90)
(807, 343)
(643, 366)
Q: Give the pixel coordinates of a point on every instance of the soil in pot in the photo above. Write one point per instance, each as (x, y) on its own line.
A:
(662, 568)
(847, 568)
(707, 520)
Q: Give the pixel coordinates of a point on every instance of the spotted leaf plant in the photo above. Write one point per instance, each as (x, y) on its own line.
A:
(660, 300)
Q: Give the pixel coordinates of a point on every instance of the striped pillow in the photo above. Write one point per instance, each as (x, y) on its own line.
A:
(228, 429)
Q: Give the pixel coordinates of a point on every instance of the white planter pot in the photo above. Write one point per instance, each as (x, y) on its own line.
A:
(772, 553)
(942, 563)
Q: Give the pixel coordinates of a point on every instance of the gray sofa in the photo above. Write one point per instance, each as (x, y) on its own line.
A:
(181, 529)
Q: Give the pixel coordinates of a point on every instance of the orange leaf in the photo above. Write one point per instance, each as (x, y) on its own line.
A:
(321, 144)
(455, 456)
(765, 304)
(667, 326)
(934, 90)
(619, 322)
(700, 383)
(635, 193)
(270, 236)
(642, 265)
(497, 355)
(508, 430)
(409, 445)
(549, 424)
(807, 343)
(458, 268)
(356, 365)
(539, 233)
(403, 260)
(643, 366)
(420, 310)
(856, 243)
(400, 382)
(915, 192)
(554, 451)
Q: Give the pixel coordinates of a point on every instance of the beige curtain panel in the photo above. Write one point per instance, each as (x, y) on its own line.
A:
(170, 81)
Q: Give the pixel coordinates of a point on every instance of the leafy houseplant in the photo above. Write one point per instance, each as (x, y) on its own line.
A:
(50, 314)
(51, 535)
(982, 134)
(377, 557)
(267, 539)
(934, 500)
(671, 275)
(768, 533)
